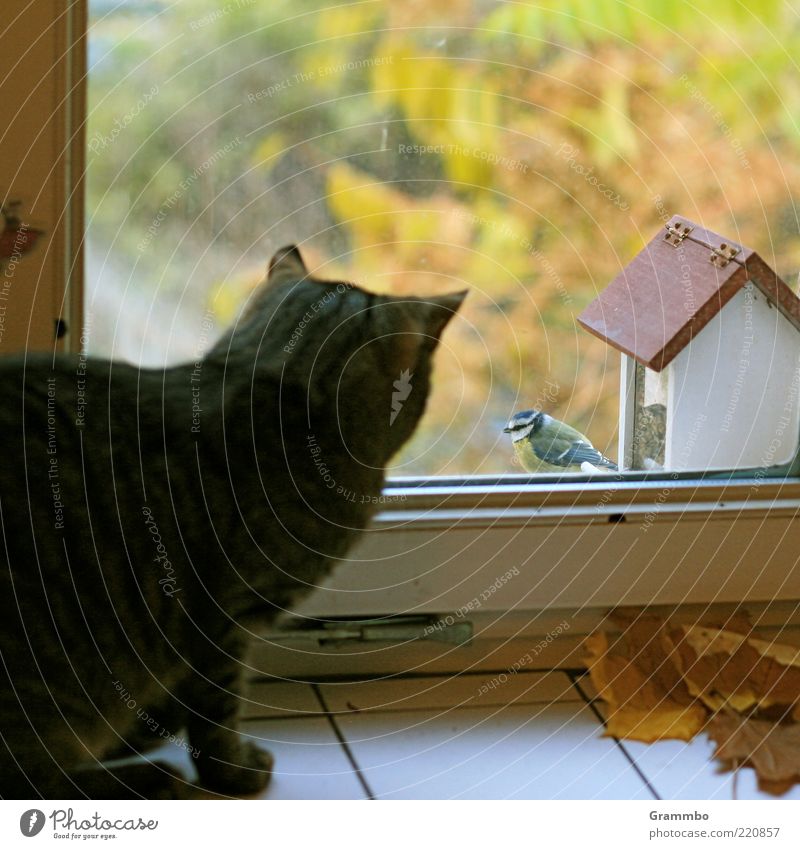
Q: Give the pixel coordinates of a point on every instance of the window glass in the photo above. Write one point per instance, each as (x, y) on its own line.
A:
(527, 151)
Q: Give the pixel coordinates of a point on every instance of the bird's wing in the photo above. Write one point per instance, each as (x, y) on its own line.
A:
(557, 453)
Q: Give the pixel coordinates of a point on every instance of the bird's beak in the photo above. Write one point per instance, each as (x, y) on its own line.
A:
(506, 430)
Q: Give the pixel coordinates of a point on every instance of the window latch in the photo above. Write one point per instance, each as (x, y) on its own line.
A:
(392, 629)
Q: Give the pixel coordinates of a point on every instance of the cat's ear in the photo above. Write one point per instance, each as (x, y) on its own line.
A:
(430, 317)
(438, 311)
(288, 264)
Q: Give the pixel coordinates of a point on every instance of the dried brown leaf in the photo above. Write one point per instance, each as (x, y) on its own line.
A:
(772, 749)
(737, 670)
(647, 699)
(659, 681)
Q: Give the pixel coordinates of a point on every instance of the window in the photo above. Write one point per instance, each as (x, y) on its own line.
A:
(529, 151)
(525, 150)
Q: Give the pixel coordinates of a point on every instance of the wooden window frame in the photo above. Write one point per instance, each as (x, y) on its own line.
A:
(42, 166)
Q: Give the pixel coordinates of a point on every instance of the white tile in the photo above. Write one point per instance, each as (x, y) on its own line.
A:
(443, 692)
(279, 698)
(679, 770)
(310, 762)
(535, 751)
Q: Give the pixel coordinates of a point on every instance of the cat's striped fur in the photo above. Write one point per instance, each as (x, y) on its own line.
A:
(151, 519)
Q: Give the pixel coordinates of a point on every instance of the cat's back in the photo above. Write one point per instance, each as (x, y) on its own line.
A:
(81, 467)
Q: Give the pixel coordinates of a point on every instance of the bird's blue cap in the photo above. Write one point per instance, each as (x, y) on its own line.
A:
(526, 418)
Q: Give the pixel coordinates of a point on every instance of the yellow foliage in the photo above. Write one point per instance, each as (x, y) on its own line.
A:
(269, 151)
(368, 207)
(227, 297)
(339, 21)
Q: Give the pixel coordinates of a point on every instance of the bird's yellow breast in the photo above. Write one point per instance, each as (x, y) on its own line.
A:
(530, 462)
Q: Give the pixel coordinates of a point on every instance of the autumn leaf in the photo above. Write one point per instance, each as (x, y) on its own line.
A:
(771, 748)
(646, 696)
(660, 680)
(735, 669)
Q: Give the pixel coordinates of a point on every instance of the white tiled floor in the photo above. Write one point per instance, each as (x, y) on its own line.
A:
(529, 751)
(310, 762)
(534, 735)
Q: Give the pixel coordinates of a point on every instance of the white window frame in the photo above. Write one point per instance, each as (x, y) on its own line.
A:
(579, 546)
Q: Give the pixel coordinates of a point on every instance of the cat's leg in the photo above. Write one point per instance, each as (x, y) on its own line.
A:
(45, 755)
(163, 721)
(37, 770)
(27, 775)
(144, 780)
(226, 763)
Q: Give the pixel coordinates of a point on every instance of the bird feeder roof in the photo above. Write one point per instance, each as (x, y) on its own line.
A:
(674, 287)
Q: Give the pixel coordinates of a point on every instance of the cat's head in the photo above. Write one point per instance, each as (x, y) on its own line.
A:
(362, 360)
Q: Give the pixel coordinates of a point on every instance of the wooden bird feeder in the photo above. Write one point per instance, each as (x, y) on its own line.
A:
(710, 343)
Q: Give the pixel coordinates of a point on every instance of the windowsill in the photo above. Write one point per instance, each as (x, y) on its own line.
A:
(524, 499)
(516, 556)
(587, 545)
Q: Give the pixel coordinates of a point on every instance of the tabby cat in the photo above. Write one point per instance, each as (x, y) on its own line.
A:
(154, 519)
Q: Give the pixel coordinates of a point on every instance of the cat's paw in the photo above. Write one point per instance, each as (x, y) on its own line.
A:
(245, 775)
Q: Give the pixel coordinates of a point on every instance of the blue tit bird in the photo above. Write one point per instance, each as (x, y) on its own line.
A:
(544, 444)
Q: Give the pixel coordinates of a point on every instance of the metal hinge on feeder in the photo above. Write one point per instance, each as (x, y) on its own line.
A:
(722, 255)
(393, 629)
(676, 233)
